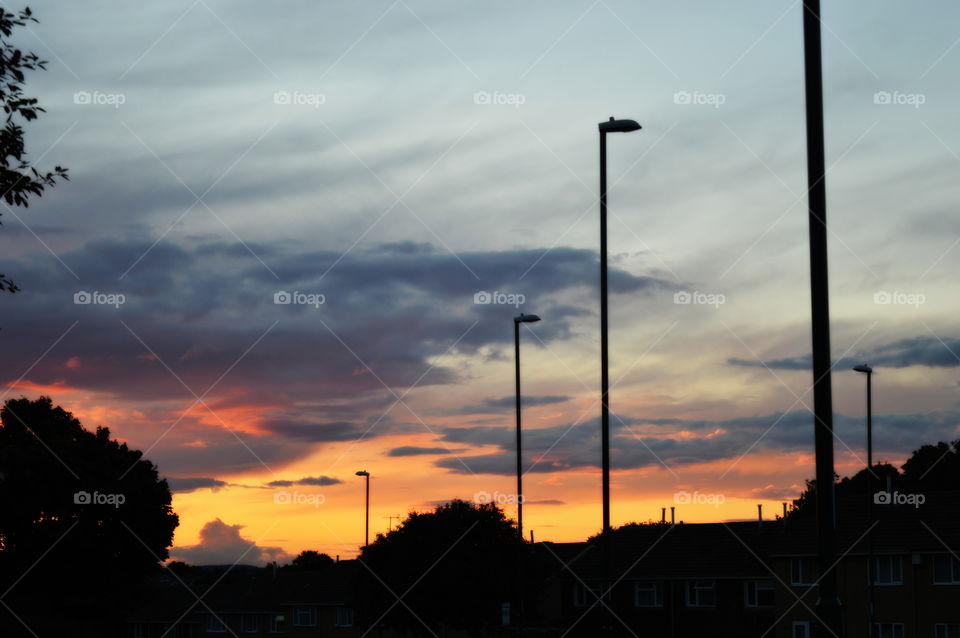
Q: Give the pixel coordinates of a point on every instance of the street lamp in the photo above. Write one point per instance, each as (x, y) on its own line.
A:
(366, 525)
(871, 569)
(611, 126)
(867, 370)
(521, 318)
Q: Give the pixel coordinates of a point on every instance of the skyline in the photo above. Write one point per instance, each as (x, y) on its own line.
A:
(414, 209)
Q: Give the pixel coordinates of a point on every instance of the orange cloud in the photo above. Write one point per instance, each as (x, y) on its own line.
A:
(51, 388)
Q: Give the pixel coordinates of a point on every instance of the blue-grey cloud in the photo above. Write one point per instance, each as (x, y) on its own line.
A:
(307, 480)
(492, 405)
(184, 485)
(638, 443)
(412, 450)
(924, 350)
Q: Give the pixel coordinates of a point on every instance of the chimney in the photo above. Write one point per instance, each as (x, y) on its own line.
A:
(784, 510)
(759, 514)
(531, 537)
(672, 519)
(663, 514)
(337, 560)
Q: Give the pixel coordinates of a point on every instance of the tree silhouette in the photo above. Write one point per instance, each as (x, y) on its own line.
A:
(84, 519)
(933, 468)
(930, 468)
(19, 180)
(310, 560)
(453, 567)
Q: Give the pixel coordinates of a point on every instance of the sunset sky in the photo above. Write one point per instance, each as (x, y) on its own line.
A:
(395, 159)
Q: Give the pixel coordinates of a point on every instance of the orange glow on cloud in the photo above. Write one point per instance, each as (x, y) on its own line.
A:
(51, 388)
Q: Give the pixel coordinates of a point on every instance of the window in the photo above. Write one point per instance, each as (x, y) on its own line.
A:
(803, 571)
(758, 593)
(800, 629)
(249, 623)
(585, 595)
(886, 570)
(647, 594)
(700, 593)
(344, 617)
(886, 630)
(276, 624)
(946, 570)
(304, 617)
(946, 630)
(215, 625)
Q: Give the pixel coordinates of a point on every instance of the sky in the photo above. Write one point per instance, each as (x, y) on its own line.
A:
(296, 234)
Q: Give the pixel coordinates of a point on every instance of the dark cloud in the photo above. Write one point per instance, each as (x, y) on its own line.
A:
(637, 443)
(923, 350)
(412, 450)
(189, 484)
(307, 480)
(184, 330)
(317, 432)
(913, 351)
(493, 405)
(799, 362)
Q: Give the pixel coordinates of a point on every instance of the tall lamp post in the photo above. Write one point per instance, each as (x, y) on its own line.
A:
(521, 318)
(366, 520)
(610, 126)
(871, 571)
(867, 370)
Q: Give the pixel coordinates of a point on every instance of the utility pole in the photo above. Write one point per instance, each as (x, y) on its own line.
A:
(828, 604)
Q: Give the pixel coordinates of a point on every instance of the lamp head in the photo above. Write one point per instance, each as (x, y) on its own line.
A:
(618, 126)
(363, 473)
(863, 367)
(522, 318)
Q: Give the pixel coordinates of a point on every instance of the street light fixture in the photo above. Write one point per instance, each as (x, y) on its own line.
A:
(610, 126)
(366, 525)
(867, 370)
(871, 569)
(521, 318)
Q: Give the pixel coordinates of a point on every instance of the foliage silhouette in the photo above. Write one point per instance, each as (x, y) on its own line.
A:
(85, 519)
(310, 560)
(930, 468)
(453, 568)
(19, 180)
